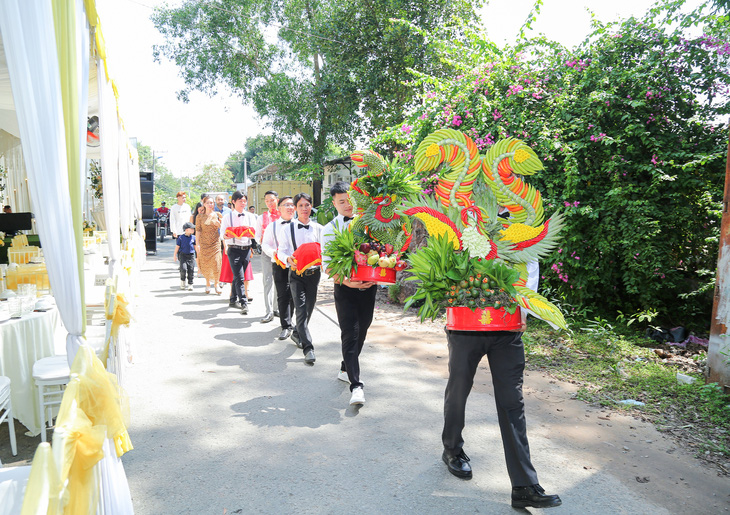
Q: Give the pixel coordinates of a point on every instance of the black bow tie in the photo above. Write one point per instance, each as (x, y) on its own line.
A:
(285, 222)
(302, 226)
(347, 218)
(241, 214)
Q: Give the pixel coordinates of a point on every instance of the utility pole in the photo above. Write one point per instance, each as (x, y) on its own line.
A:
(718, 352)
(245, 175)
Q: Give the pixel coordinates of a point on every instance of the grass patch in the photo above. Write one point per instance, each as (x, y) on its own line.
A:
(611, 367)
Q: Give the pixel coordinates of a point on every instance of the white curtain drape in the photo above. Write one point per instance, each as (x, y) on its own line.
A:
(109, 137)
(84, 51)
(125, 204)
(29, 40)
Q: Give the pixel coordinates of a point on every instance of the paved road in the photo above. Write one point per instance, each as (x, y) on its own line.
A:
(228, 419)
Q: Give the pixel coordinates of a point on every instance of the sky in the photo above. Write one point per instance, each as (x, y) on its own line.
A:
(207, 130)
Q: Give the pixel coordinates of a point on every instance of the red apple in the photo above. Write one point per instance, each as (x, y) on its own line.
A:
(364, 248)
(388, 248)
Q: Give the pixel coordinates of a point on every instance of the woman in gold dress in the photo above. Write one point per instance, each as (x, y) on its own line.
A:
(208, 244)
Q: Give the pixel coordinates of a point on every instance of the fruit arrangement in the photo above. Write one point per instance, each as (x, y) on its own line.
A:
(374, 254)
(478, 292)
(485, 224)
(454, 279)
(377, 236)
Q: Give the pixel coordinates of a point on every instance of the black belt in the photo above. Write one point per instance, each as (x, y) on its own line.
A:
(240, 247)
(311, 271)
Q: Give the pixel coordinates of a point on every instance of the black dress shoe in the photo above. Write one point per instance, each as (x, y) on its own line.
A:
(295, 337)
(276, 314)
(458, 465)
(285, 333)
(534, 497)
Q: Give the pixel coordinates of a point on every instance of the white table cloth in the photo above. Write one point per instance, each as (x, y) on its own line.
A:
(12, 489)
(23, 341)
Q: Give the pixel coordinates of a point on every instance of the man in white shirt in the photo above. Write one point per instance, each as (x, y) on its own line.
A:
(179, 215)
(273, 235)
(271, 198)
(304, 286)
(354, 300)
(238, 249)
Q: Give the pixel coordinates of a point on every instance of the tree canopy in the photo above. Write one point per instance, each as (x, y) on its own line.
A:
(316, 71)
(630, 127)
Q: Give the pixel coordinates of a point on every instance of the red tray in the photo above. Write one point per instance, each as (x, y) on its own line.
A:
(373, 273)
(483, 319)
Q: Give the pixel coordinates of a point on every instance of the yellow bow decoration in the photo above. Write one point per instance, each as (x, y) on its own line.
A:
(80, 449)
(102, 399)
(116, 308)
(43, 489)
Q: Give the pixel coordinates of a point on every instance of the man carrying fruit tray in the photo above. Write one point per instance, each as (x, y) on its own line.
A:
(354, 300)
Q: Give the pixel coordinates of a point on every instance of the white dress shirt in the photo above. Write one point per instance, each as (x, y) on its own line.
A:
(236, 219)
(328, 235)
(178, 216)
(273, 234)
(302, 236)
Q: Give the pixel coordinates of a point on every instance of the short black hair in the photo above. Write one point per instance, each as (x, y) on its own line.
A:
(237, 195)
(271, 192)
(285, 197)
(339, 187)
(300, 196)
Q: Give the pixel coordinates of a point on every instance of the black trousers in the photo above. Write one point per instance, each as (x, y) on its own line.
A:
(284, 298)
(239, 259)
(187, 266)
(506, 357)
(304, 292)
(354, 313)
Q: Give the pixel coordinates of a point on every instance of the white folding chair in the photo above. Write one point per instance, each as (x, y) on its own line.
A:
(6, 405)
(53, 371)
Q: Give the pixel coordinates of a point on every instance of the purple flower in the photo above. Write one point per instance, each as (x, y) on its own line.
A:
(514, 89)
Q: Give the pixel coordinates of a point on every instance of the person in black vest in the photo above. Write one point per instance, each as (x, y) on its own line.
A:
(303, 286)
(354, 301)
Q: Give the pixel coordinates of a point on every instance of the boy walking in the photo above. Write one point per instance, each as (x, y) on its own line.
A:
(185, 251)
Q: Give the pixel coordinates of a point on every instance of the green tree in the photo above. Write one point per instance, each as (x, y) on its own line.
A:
(265, 149)
(211, 178)
(331, 61)
(628, 125)
(234, 163)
